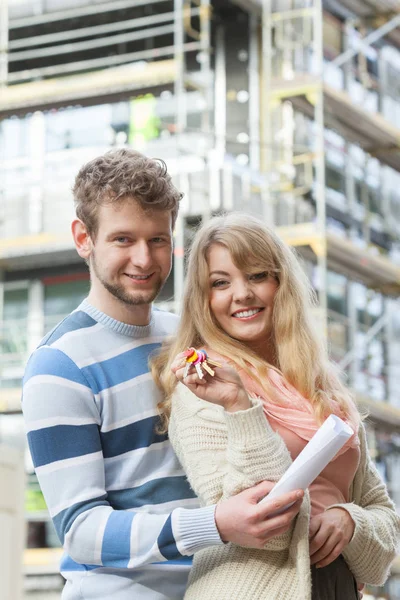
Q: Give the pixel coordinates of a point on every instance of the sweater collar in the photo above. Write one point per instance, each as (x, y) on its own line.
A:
(117, 326)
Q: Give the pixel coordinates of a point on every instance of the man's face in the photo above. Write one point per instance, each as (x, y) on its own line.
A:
(131, 254)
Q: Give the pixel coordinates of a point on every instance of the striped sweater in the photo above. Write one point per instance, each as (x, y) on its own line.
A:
(118, 497)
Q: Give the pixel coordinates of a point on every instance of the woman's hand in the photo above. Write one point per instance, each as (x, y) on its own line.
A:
(360, 588)
(225, 388)
(329, 533)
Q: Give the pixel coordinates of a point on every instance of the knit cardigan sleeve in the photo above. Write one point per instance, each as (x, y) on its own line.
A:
(374, 543)
(225, 453)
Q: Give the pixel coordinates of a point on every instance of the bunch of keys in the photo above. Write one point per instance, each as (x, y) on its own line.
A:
(200, 361)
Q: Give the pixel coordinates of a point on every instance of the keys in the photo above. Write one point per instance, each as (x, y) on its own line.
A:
(207, 362)
(197, 366)
(191, 357)
(199, 359)
(207, 368)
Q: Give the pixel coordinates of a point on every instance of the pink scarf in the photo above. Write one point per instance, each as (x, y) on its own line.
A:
(294, 411)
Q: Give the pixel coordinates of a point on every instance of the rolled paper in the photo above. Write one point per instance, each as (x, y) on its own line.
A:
(320, 450)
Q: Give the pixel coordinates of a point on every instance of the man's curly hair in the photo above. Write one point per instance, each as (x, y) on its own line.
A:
(119, 175)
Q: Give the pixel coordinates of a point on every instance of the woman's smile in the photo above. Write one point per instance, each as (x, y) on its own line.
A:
(247, 314)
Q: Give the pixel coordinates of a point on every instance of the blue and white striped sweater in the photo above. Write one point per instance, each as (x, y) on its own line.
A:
(115, 490)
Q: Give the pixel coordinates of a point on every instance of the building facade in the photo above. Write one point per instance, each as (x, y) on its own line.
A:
(287, 109)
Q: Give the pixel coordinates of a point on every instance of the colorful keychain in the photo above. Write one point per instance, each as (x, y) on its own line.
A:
(199, 359)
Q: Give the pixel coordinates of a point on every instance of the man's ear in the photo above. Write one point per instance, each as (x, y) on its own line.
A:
(82, 239)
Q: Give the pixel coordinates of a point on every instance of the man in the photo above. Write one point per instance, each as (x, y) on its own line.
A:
(118, 497)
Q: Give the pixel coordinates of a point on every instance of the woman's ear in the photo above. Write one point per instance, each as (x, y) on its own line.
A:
(82, 239)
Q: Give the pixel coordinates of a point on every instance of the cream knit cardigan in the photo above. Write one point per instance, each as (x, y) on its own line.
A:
(225, 453)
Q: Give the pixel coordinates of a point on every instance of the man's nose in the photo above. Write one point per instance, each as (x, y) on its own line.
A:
(141, 255)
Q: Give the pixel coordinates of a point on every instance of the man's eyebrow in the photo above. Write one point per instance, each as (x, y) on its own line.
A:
(119, 233)
(219, 273)
(133, 234)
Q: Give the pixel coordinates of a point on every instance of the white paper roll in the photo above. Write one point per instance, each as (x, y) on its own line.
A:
(320, 450)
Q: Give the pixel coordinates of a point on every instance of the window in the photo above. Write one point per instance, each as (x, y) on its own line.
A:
(79, 127)
(337, 292)
(14, 137)
(62, 298)
(13, 330)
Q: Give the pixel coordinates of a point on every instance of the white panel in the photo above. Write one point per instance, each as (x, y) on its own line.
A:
(11, 523)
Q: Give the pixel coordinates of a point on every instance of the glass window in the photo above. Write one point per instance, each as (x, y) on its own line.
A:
(79, 127)
(334, 179)
(375, 202)
(15, 304)
(14, 201)
(14, 137)
(62, 298)
(13, 331)
(338, 338)
(359, 191)
(337, 292)
(395, 205)
(371, 310)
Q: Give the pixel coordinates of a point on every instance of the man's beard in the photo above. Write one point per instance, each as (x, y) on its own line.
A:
(118, 291)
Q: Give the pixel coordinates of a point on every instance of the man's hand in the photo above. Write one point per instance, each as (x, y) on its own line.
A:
(330, 532)
(244, 522)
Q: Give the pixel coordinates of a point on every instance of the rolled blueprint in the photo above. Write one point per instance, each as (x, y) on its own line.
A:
(320, 450)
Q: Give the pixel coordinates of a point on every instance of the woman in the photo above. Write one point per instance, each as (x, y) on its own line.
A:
(248, 303)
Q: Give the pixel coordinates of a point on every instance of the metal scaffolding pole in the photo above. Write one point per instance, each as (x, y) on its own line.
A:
(180, 126)
(220, 93)
(291, 36)
(370, 39)
(182, 28)
(3, 42)
(254, 97)
(205, 61)
(266, 112)
(319, 165)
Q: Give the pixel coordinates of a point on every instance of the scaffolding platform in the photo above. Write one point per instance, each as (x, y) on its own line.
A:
(34, 250)
(105, 83)
(375, 271)
(383, 413)
(371, 131)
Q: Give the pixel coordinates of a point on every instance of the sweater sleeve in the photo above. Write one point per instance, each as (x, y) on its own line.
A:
(374, 543)
(65, 440)
(225, 453)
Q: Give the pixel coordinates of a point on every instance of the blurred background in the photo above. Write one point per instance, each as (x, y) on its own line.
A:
(287, 109)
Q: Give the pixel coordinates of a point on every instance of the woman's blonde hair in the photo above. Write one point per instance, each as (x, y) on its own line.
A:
(300, 354)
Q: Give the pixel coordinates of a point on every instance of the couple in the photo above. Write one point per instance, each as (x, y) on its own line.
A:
(125, 511)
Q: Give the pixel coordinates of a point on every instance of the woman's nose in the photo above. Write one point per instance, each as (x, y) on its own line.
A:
(242, 292)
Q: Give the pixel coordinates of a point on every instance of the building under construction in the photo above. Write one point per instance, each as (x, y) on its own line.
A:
(288, 109)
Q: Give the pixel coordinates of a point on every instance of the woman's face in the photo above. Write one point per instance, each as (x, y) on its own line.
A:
(241, 303)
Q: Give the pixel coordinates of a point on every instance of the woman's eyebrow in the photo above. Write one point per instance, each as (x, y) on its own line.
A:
(218, 273)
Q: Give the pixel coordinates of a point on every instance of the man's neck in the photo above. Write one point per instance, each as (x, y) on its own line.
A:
(125, 313)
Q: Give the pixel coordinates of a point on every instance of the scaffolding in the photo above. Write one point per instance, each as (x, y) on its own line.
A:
(293, 80)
